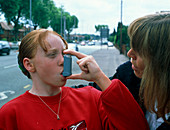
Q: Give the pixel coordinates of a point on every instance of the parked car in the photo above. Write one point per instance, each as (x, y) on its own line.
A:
(4, 47)
(91, 43)
(104, 43)
(83, 43)
(15, 44)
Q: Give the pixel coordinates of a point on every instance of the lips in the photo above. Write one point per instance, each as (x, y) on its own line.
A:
(63, 78)
(61, 73)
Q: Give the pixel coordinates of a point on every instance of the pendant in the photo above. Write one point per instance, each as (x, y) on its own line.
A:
(58, 118)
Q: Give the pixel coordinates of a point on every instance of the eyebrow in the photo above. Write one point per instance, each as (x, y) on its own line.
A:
(52, 50)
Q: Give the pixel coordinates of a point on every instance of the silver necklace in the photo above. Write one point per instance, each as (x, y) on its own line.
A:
(57, 114)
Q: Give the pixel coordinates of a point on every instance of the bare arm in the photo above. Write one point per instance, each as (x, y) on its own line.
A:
(90, 70)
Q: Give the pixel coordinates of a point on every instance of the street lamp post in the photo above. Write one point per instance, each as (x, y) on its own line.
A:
(65, 27)
(61, 20)
(30, 13)
(121, 28)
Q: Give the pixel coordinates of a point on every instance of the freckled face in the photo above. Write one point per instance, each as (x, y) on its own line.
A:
(49, 66)
(137, 63)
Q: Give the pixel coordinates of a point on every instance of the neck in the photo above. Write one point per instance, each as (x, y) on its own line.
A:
(49, 91)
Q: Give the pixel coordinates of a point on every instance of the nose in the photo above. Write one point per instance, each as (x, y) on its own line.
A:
(61, 62)
(131, 54)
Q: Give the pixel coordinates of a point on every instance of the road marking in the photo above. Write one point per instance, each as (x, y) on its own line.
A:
(3, 93)
(4, 96)
(27, 86)
(10, 66)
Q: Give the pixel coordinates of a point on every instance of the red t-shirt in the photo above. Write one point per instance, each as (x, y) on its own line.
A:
(80, 109)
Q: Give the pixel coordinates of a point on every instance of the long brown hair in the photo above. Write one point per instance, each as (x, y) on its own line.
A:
(150, 37)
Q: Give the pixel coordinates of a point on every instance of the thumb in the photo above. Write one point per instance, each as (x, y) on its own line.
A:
(74, 76)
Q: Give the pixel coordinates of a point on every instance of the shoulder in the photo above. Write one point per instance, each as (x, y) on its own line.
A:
(164, 125)
(125, 66)
(123, 72)
(124, 69)
(12, 104)
(126, 75)
(84, 92)
(86, 89)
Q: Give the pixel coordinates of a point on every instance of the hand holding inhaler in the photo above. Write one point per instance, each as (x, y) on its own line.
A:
(67, 65)
(90, 70)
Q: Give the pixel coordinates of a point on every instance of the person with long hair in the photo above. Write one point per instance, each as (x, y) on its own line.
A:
(50, 105)
(150, 57)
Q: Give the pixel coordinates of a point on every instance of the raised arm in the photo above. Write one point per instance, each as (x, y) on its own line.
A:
(90, 70)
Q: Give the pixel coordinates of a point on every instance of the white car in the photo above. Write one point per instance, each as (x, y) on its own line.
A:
(15, 45)
(110, 44)
(91, 43)
(83, 43)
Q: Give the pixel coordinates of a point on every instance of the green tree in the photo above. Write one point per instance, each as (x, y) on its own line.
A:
(44, 14)
(14, 11)
(55, 19)
(112, 36)
(71, 21)
(125, 37)
(41, 13)
(87, 37)
(98, 27)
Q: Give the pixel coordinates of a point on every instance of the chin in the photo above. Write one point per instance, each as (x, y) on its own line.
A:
(138, 74)
(62, 83)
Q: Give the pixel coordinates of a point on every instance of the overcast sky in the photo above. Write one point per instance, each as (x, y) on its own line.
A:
(107, 12)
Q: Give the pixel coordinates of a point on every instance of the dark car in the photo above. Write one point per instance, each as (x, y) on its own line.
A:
(4, 47)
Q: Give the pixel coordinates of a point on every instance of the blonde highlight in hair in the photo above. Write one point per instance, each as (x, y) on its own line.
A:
(150, 37)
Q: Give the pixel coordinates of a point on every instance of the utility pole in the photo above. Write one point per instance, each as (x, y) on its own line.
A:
(61, 20)
(120, 46)
(65, 27)
(30, 13)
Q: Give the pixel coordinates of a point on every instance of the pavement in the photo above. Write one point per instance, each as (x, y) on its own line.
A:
(108, 59)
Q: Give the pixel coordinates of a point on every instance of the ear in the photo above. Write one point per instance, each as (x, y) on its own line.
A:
(28, 64)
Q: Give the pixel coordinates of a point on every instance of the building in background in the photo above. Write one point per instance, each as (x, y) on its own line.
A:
(7, 32)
